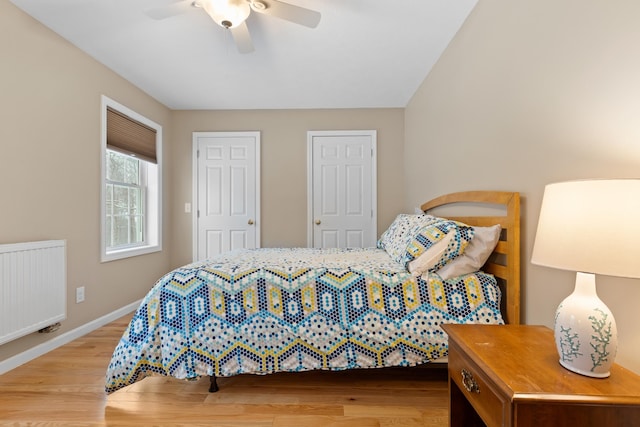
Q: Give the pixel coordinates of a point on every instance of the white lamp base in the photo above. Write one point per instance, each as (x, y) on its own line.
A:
(585, 331)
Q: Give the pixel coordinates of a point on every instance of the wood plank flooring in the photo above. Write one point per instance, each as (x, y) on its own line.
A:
(66, 388)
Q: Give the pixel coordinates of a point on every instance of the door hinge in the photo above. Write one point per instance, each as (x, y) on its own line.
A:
(198, 154)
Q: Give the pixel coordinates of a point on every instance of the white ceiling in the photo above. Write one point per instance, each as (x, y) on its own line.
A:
(363, 54)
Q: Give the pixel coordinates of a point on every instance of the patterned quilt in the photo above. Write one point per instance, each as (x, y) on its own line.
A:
(268, 310)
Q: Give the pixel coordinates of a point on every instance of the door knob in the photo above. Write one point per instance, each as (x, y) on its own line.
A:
(317, 222)
(250, 222)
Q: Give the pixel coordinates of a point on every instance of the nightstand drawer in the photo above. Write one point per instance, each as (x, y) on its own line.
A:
(477, 388)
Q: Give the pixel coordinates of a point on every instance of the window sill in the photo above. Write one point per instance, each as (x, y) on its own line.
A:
(129, 252)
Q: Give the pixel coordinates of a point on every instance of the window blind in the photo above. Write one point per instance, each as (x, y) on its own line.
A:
(131, 137)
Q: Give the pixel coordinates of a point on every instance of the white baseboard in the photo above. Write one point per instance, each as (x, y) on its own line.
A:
(67, 337)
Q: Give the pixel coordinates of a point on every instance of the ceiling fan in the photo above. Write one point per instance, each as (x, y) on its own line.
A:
(232, 15)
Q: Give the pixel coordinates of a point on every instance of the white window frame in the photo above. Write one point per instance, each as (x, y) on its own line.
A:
(153, 194)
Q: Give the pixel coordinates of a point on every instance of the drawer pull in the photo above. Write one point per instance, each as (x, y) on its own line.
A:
(469, 382)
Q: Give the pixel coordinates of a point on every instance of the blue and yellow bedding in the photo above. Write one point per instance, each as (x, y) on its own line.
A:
(270, 310)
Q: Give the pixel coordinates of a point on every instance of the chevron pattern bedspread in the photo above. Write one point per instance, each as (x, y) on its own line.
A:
(269, 310)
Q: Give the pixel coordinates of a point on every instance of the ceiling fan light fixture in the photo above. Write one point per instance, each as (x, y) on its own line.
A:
(227, 13)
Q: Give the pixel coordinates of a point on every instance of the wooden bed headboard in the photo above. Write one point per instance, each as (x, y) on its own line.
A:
(504, 262)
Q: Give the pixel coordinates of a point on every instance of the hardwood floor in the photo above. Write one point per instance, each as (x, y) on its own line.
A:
(66, 388)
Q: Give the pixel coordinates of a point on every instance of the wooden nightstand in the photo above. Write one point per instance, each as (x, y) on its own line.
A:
(510, 376)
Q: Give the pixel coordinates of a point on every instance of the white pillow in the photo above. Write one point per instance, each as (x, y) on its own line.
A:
(475, 255)
(431, 256)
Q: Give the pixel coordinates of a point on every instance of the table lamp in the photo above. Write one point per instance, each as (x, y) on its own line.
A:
(590, 227)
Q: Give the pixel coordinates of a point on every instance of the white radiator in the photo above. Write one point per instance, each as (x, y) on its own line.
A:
(33, 287)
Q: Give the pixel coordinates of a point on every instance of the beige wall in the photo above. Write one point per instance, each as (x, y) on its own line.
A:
(529, 93)
(50, 164)
(283, 135)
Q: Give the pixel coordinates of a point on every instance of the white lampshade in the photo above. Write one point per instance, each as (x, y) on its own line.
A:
(227, 13)
(590, 227)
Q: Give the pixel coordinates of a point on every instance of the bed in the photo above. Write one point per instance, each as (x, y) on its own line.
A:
(267, 310)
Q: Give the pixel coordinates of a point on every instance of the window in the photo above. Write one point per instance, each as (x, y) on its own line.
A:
(131, 178)
(125, 192)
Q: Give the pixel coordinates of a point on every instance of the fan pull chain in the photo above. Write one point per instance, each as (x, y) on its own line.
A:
(227, 37)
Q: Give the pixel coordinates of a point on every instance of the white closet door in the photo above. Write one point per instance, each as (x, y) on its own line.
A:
(342, 189)
(226, 192)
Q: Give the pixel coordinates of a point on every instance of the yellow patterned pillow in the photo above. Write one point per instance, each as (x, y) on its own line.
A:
(430, 234)
(431, 257)
(395, 239)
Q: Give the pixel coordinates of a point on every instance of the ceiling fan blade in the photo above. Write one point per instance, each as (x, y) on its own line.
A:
(242, 38)
(299, 15)
(170, 10)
